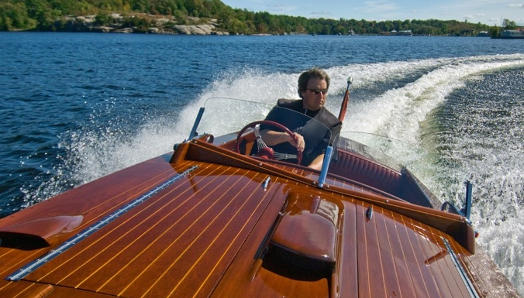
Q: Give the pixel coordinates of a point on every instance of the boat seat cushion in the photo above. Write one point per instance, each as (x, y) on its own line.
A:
(371, 173)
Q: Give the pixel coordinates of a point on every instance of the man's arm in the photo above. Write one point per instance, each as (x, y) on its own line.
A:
(317, 162)
(272, 138)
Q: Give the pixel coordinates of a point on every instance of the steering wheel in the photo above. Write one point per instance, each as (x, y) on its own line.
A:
(263, 150)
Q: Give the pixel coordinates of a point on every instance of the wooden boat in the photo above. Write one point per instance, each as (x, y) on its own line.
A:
(211, 220)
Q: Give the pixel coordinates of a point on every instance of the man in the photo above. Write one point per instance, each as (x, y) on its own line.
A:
(309, 138)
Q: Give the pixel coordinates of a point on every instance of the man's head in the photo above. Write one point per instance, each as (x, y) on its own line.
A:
(313, 85)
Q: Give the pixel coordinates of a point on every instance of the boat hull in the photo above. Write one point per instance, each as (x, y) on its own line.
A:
(205, 221)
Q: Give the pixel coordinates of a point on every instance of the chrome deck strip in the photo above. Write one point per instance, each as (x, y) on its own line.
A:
(27, 269)
(460, 269)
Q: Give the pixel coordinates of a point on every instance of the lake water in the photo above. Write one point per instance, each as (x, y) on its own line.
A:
(75, 107)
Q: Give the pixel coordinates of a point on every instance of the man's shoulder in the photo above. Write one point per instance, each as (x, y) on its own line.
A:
(326, 114)
(289, 103)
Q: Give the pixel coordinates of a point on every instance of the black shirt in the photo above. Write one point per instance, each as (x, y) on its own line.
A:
(317, 137)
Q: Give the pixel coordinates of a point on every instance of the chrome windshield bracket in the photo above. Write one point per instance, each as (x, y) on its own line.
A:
(193, 132)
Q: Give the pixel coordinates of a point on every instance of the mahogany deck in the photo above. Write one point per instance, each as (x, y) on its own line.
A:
(206, 235)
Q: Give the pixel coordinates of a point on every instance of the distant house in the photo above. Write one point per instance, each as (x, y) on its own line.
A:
(401, 32)
(519, 33)
(483, 34)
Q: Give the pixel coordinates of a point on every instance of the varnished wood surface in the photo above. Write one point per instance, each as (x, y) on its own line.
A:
(160, 249)
(208, 235)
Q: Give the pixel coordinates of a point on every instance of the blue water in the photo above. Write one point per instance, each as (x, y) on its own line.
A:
(75, 107)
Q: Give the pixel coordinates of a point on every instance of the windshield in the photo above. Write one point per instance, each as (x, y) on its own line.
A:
(227, 116)
(224, 118)
(396, 154)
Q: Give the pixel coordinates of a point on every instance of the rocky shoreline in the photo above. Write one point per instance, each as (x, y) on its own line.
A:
(159, 25)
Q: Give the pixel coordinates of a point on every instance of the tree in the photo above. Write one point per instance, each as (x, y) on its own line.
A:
(509, 25)
(14, 16)
(47, 15)
(494, 32)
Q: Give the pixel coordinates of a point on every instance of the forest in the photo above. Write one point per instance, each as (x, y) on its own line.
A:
(54, 15)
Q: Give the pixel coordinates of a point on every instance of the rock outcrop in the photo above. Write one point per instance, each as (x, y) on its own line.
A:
(160, 25)
(205, 29)
(194, 29)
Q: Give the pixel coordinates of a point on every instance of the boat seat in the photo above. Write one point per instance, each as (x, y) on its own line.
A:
(371, 173)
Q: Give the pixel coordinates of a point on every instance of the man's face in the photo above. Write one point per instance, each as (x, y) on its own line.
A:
(314, 97)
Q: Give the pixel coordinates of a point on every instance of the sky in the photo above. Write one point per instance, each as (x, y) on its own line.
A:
(489, 12)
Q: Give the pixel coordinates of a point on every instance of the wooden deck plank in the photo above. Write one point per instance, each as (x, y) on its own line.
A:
(439, 268)
(408, 238)
(78, 258)
(136, 226)
(25, 290)
(173, 260)
(423, 274)
(242, 276)
(246, 217)
(205, 230)
(387, 249)
(401, 250)
(389, 254)
(371, 275)
(348, 261)
(154, 234)
(450, 271)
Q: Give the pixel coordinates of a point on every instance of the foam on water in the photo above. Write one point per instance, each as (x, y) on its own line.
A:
(483, 140)
(394, 99)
